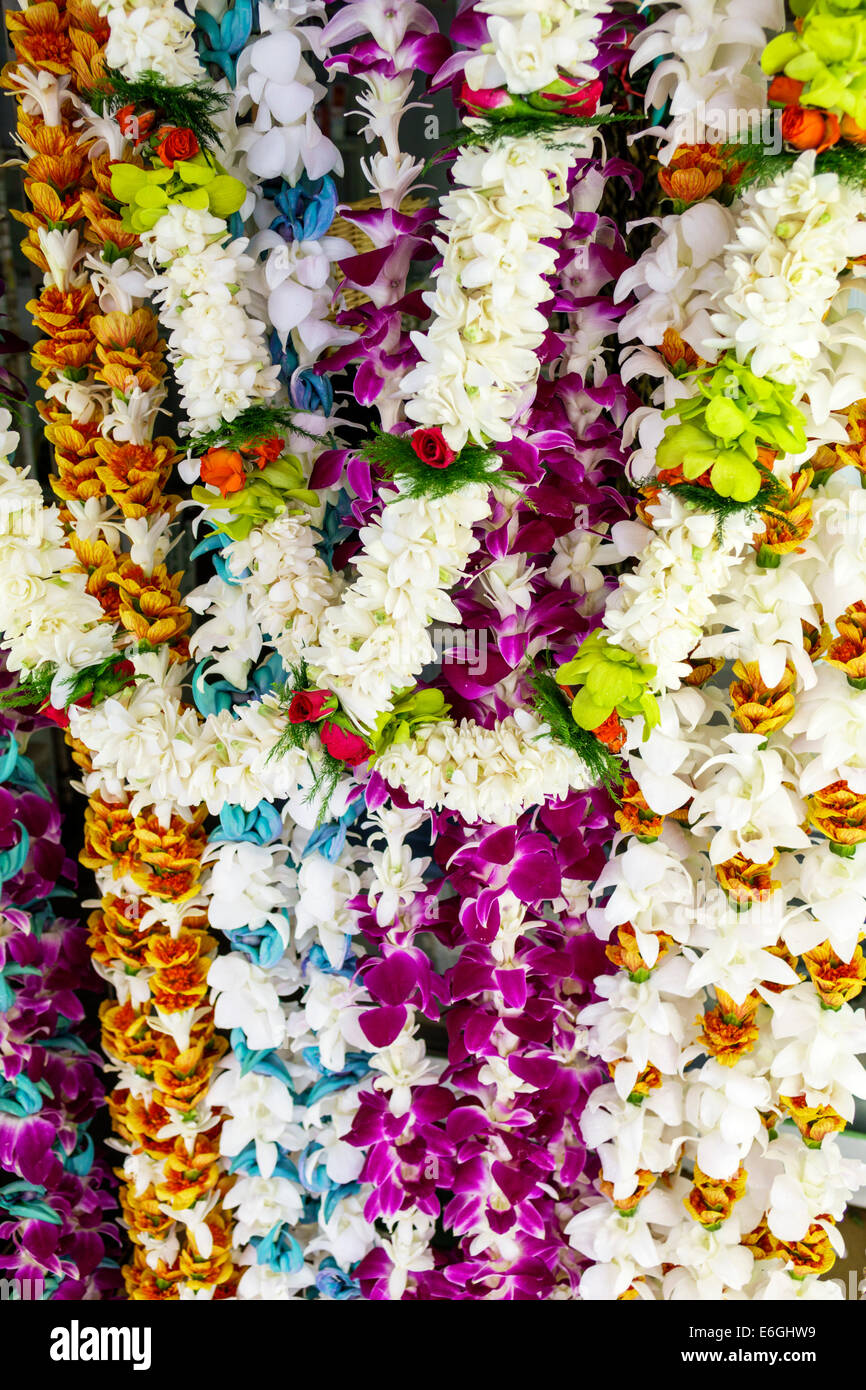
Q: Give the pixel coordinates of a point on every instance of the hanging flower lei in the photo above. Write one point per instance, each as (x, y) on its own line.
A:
(721, 880)
(56, 1196)
(102, 373)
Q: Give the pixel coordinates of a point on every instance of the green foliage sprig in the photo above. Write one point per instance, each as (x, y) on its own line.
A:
(255, 422)
(553, 708)
(474, 464)
(189, 106)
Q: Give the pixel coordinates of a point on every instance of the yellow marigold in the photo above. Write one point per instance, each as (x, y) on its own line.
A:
(757, 708)
(746, 883)
(104, 223)
(151, 1285)
(761, 1241)
(40, 37)
(134, 475)
(711, 1200)
(130, 350)
(150, 606)
(74, 454)
(837, 981)
(646, 1181)
(648, 1080)
(182, 1079)
(839, 813)
(787, 521)
(166, 860)
(703, 669)
(625, 953)
(814, 1254)
(207, 1272)
(729, 1029)
(848, 650)
(108, 831)
(814, 1122)
(633, 815)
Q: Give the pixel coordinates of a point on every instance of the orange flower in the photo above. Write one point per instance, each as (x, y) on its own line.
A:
(150, 606)
(837, 981)
(627, 956)
(814, 1122)
(729, 1030)
(224, 469)
(134, 475)
(40, 37)
(633, 815)
(840, 814)
(74, 455)
(809, 129)
(265, 451)
(108, 831)
(848, 650)
(677, 352)
(703, 669)
(746, 883)
(785, 91)
(712, 1200)
(695, 171)
(787, 522)
(611, 733)
(167, 859)
(650, 1079)
(757, 709)
(130, 350)
(646, 1181)
(852, 131)
(814, 1254)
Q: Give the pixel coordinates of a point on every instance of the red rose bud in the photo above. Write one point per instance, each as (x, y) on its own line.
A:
(176, 142)
(135, 125)
(57, 716)
(573, 98)
(486, 101)
(343, 745)
(431, 447)
(307, 706)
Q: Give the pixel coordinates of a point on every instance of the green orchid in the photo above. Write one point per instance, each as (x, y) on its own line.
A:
(610, 679)
(722, 427)
(828, 53)
(196, 183)
(411, 708)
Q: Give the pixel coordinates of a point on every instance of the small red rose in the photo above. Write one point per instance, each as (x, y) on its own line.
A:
(308, 706)
(175, 142)
(431, 447)
(342, 744)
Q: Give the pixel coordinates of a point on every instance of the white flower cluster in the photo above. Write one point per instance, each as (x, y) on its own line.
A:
(489, 775)
(664, 606)
(46, 613)
(287, 585)
(529, 46)
(149, 36)
(220, 356)
(480, 361)
(706, 72)
(375, 640)
(794, 239)
(713, 915)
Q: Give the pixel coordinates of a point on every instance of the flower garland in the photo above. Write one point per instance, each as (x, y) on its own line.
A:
(720, 880)
(56, 1196)
(102, 372)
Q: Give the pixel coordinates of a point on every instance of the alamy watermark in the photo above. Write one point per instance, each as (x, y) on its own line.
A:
(758, 126)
